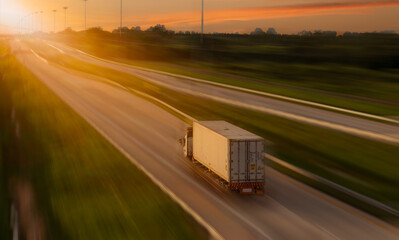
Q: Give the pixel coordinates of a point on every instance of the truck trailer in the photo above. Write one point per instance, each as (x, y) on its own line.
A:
(232, 153)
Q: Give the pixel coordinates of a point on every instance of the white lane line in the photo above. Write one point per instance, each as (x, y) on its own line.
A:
(345, 129)
(341, 128)
(311, 121)
(302, 172)
(214, 233)
(59, 50)
(38, 56)
(189, 210)
(328, 232)
(165, 104)
(248, 90)
(14, 222)
(331, 184)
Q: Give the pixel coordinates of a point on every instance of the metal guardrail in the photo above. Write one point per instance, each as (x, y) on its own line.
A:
(333, 185)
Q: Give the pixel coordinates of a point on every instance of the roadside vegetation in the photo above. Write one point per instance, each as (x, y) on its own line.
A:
(4, 134)
(84, 188)
(365, 166)
(356, 72)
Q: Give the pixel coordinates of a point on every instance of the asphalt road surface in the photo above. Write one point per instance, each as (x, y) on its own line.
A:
(149, 134)
(338, 121)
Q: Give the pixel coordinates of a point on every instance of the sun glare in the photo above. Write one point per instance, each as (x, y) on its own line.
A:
(11, 15)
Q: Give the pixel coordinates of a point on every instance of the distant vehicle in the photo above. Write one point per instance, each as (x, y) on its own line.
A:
(232, 153)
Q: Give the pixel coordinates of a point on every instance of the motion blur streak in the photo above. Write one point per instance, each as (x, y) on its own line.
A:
(341, 122)
(289, 210)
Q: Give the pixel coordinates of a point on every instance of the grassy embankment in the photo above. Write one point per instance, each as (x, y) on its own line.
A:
(4, 133)
(362, 165)
(337, 83)
(86, 189)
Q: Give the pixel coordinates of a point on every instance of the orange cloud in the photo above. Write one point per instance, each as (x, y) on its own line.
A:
(246, 14)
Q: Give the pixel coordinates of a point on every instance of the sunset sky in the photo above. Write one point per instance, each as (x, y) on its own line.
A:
(287, 16)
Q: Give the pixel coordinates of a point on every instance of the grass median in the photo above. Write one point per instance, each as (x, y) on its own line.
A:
(85, 188)
(346, 86)
(365, 166)
(4, 135)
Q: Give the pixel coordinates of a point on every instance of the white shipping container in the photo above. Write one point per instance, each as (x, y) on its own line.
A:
(232, 153)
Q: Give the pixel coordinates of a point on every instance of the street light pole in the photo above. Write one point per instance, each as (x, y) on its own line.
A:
(120, 29)
(65, 11)
(54, 11)
(202, 18)
(41, 21)
(202, 23)
(85, 13)
(32, 22)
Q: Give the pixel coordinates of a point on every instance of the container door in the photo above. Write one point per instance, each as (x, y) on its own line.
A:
(243, 166)
(234, 161)
(253, 160)
(260, 173)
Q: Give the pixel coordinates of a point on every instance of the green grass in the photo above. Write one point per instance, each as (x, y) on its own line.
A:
(4, 204)
(365, 166)
(346, 86)
(362, 165)
(5, 129)
(4, 199)
(86, 188)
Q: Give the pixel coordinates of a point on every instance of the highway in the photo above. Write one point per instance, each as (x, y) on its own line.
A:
(362, 127)
(149, 136)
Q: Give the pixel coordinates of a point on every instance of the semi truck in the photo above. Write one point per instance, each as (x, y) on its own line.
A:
(232, 153)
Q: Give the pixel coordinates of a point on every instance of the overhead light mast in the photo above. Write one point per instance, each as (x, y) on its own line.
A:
(120, 28)
(202, 23)
(85, 14)
(54, 11)
(65, 14)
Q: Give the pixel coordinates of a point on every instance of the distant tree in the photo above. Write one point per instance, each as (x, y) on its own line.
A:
(119, 30)
(329, 33)
(317, 32)
(305, 33)
(187, 32)
(350, 34)
(324, 33)
(271, 31)
(388, 32)
(258, 31)
(68, 30)
(96, 30)
(136, 29)
(157, 28)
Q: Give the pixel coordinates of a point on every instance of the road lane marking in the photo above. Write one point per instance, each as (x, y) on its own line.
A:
(328, 232)
(333, 185)
(212, 231)
(334, 126)
(174, 169)
(325, 106)
(59, 50)
(110, 140)
(307, 175)
(165, 189)
(354, 131)
(337, 203)
(311, 121)
(163, 103)
(38, 56)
